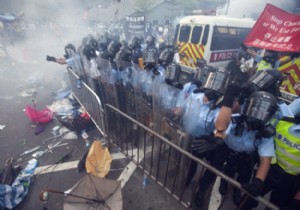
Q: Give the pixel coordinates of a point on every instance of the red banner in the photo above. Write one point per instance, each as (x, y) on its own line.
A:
(275, 30)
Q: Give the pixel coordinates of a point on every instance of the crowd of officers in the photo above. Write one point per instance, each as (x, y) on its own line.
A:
(233, 115)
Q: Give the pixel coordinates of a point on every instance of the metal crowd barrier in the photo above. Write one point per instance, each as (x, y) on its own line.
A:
(88, 99)
(160, 143)
(156, 157)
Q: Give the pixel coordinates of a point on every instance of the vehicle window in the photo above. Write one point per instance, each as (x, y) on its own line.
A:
(196, 34)
(205, 35)
(176, 32)
(184, 33)
(225, 38)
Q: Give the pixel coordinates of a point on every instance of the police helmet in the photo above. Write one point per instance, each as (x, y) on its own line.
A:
(216, 82)
(70, 46)
(69, 50)
(166, 56)
(266, 80)
(162, 46)
(89, 52)
(93, 42)
(172, 73)
(134, 43)
(201, 75)
(150, 41)
(123, 59)
(259, 108)
(114, 46)
(102, 46)
(150, 56)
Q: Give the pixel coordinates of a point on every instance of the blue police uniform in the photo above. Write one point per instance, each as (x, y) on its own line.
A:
(199, 117)
(247, 143)
(239, 147)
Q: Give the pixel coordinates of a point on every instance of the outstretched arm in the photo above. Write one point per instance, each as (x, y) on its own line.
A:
(224, 117)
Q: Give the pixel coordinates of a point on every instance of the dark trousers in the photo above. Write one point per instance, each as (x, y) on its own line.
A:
(236, 162)
(283, 186)
(217, 160)
(242, 164)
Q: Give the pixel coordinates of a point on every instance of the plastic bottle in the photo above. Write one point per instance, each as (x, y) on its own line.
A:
(145, 181)
(78, 83)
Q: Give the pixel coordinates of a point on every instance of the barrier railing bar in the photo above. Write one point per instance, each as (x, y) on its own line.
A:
(199, 161)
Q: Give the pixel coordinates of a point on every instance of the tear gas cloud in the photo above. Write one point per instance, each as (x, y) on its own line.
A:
(49, 26)
(253, 8)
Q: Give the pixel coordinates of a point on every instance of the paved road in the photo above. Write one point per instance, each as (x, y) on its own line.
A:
(26, 73)
(43, 79)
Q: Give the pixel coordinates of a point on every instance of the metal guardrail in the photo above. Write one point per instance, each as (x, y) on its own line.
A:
(88, 99)
(155, 151)
(160, 158)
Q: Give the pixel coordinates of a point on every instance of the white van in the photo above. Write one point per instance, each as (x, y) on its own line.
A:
(213, 38)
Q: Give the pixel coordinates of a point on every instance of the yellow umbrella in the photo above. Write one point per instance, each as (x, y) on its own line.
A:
(98, 160)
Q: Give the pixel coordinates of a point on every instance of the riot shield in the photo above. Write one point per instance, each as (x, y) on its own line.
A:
(85, 68)
(167, 124)
(108, 82)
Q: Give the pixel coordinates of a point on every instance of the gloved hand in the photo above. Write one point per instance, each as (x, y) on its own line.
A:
(205, 143)
(255, 188)
(50, 58)
(232, 91)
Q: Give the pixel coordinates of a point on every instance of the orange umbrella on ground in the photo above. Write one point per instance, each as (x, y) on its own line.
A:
(98, 160)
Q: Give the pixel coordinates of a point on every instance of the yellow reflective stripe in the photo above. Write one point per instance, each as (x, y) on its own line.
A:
(293, 158)
(288, 167)
(287, 148)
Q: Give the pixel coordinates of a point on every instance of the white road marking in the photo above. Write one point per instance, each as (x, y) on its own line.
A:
(126, 174)
(124, 177)
(215, 199)
(71, 164)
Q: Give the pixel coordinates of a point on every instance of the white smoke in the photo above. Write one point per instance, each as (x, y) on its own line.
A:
(253, 8)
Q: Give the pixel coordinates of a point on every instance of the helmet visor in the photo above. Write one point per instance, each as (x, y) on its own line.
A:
(262, 79)
(216, 81)
(261, 107)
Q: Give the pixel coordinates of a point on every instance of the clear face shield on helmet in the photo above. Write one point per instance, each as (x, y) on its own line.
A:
(261, 80)
(216, 82)
(150, 59)
(258, 109)
(172, 72)
(166, 57)
(201, 75)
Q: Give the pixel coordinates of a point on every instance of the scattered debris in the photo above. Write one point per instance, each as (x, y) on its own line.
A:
(2, 127)
(35, 115)
(13, 194)
(30, 150)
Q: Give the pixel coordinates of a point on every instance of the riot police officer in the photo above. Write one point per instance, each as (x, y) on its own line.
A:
(283, 178)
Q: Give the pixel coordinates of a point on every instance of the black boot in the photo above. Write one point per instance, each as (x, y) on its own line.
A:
(223, 187)
(199, 200)
(237, 196)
